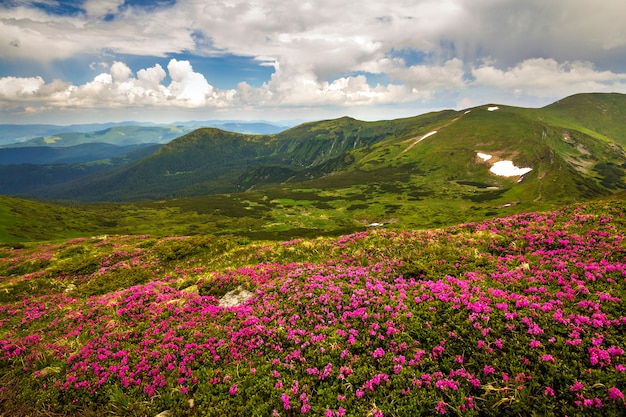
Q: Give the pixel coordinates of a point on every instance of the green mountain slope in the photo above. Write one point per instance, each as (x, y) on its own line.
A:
(86, 152)
(599, 115)
(342, 175)
(42, 179)
(571, 155)
(209, 161)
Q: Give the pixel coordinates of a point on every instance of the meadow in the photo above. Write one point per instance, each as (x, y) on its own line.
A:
(518, 315)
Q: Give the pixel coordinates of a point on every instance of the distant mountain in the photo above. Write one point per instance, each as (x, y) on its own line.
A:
(491, 154)
(11, 133)
(136, 132)
(46, 155)
(252, 128)
(38, 179)
(118, 135)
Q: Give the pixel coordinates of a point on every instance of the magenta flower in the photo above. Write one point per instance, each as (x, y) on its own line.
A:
(286, 401)
(378, 353)
(549, 392)
(488, 369)
(577, 386)
(615, 394)
(441, 407)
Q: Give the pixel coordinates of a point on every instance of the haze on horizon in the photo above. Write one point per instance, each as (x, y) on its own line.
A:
(83, 61)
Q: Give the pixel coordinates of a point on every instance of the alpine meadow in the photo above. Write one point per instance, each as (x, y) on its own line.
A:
(461, 262)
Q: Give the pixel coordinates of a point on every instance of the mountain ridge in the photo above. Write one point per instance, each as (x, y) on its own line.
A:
(344, 174)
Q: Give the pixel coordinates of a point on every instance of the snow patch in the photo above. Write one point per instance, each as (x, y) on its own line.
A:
(493, 108)
(507, 169)
(427, 135)
(467, 112)
(483, 156)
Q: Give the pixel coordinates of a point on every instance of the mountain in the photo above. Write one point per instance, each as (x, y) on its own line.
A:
(87, 152)
(118, 135)
(213, 161)
(52, 166)
(343, 175)
(569, 156)
(122, 133)
(11, 133)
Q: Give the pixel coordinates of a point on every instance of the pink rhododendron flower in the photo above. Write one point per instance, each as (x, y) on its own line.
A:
(615, 394)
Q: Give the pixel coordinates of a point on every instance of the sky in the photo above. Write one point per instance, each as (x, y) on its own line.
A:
(86, 61)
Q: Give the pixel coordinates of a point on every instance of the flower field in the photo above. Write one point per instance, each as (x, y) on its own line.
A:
(522, 315)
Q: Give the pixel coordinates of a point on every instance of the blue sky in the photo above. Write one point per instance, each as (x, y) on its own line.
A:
(74, 61)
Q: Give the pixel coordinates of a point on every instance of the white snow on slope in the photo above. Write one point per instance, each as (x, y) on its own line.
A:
(507, 169)
(427, 135)
(493, 108)
(504, 168)
(483, 156)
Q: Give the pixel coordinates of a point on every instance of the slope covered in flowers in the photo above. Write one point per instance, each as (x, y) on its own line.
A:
(515, 316)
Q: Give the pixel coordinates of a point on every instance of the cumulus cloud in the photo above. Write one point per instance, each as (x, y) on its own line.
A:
(118, 88)
(20, 88)
(548, 78)
(323, 53)
(450, 75)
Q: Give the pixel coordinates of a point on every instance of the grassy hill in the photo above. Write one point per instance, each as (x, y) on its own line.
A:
(337, 176)
(41, 179)
(572, 156)
(521, 315)
(45, 155)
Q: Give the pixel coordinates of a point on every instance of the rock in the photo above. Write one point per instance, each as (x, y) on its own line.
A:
(235, 297)
(166, 413)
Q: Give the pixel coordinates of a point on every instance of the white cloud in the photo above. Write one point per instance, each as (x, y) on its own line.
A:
(189, 89)
(118, 88)
(426, 80)
(320, 51)
(548, 78)
(187, 85)
(16, 88)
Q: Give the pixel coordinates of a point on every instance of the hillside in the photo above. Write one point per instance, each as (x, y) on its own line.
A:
(45, 155)
(211, 161)
(51, 167)
(121, 132)
(572, 154)
(333, 177)
(521, 315)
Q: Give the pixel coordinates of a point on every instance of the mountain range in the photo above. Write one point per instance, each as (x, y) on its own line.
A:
(431, 169)
(55, 135)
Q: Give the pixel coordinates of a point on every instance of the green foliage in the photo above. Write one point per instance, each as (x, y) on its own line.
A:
(134, 337)
(118, 279)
